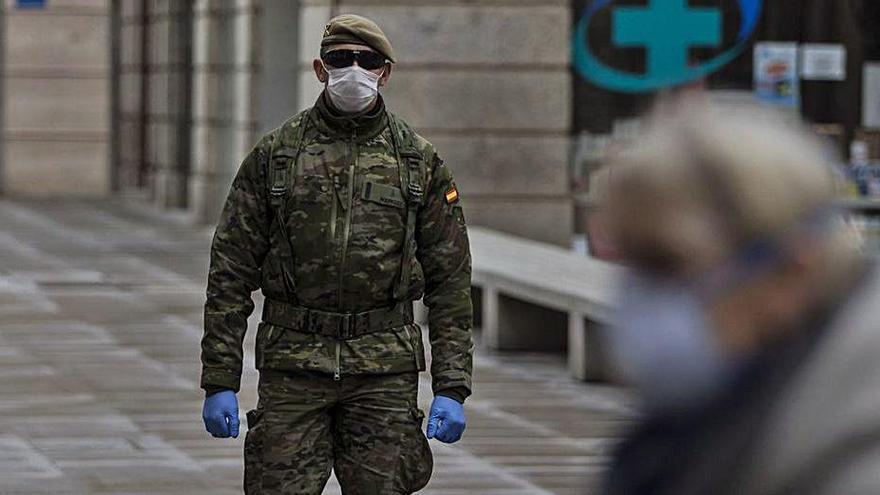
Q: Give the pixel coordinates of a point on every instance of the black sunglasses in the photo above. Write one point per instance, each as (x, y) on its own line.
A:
(345, 58)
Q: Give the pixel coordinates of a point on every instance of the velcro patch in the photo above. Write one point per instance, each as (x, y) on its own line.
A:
(383, 194)
(451, 195)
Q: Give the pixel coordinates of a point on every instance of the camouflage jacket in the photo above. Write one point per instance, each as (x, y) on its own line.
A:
(347, 254)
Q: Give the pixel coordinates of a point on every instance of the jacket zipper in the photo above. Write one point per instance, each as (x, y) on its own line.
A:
(333, 215)
(346, 233)
(346, 230)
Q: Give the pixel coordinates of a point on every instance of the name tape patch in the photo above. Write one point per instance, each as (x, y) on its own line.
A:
(383, 194)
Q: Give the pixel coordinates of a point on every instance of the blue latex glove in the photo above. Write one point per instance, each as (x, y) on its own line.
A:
(446, 420)
(221, 414)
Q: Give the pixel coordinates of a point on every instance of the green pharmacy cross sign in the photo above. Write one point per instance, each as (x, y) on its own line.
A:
(667, 29)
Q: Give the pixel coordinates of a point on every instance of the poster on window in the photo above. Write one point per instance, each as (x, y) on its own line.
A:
(776, 73)
(823, 62)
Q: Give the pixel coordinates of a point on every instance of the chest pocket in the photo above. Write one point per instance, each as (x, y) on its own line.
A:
(380, 211)
(314, 205)
(313, 189)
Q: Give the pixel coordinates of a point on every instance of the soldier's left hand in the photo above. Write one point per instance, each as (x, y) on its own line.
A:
(446, 421)
(220, 414)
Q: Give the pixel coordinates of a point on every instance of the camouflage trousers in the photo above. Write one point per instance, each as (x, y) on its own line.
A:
(367, 428)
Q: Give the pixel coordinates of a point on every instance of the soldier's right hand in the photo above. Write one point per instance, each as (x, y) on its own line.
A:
(221, 414)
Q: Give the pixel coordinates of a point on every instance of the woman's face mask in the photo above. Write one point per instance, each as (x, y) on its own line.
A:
(352, 89)
(664, 345)
(664, 339)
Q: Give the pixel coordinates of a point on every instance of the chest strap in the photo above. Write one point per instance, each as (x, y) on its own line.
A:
(412, 168)
(342, 326)
(282, 164)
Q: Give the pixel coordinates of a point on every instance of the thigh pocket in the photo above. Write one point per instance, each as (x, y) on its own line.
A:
(253, 454)
(415, 460)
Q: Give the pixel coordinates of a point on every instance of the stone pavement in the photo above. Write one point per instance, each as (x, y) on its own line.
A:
(100, 315)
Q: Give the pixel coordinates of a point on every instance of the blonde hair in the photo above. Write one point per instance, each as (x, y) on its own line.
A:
(744, 173)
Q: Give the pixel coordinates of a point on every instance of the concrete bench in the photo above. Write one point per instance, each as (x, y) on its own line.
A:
(536, 296)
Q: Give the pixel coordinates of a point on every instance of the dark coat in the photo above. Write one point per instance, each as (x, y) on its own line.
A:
(804, 418)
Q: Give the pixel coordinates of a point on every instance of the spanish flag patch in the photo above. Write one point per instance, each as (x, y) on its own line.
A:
(451, 195)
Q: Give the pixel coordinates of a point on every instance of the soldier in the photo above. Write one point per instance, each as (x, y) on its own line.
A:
(343, 216)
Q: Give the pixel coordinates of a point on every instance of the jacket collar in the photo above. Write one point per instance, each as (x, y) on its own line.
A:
(361, 126)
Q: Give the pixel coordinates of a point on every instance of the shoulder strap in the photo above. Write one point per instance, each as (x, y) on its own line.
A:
(412, 168)
(282, 159)
(282, 165)
(412, 164)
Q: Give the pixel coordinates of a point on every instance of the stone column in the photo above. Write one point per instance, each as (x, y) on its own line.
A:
(224, 127)
(2, 98)
(276, 87)
(170, 72)
(489, 84)
(131, 168)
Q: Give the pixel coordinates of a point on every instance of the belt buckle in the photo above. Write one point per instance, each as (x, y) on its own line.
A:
(346, 326)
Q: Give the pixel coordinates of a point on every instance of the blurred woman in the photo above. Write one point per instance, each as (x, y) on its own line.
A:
(749, 321)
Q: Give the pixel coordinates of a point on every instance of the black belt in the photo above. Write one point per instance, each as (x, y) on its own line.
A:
(332, 324)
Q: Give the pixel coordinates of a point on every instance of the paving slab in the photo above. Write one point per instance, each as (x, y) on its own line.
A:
(100, 322)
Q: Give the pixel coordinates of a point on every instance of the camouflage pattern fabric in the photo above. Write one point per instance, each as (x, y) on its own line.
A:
(368, 429)
(348, 251)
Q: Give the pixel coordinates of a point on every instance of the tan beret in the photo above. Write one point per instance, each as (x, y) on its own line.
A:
(351, 28)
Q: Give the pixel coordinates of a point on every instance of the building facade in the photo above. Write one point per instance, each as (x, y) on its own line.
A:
(55, 83)
(489, 83)
(162, 98)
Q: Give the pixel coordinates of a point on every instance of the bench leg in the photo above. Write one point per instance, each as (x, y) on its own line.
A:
(577, 346)
(513, 325)
(585, 357)
(491, 330)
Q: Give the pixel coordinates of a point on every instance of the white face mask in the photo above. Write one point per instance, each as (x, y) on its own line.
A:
(663, 342)
(352, 89)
